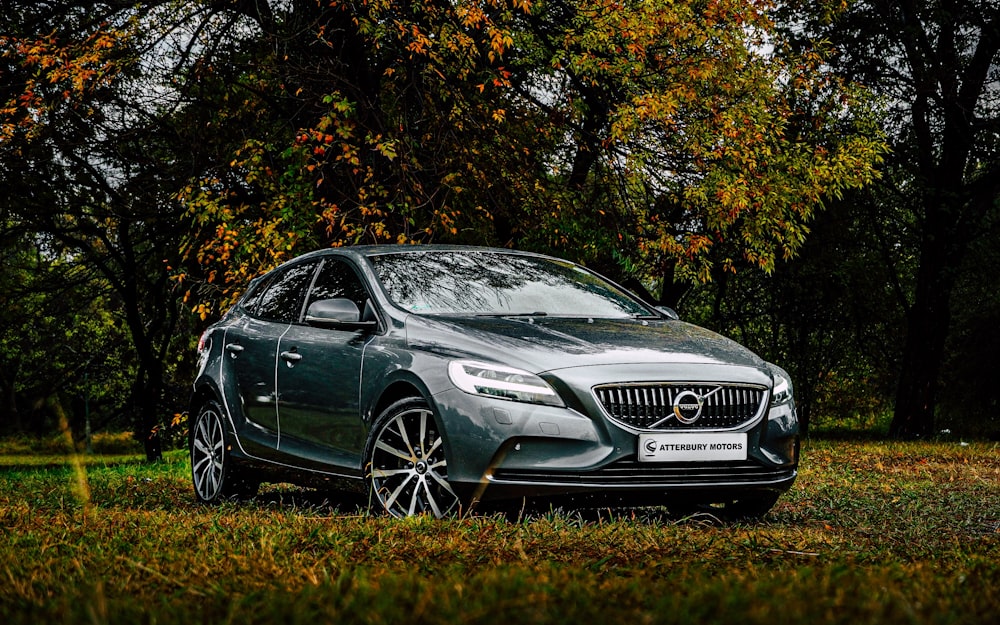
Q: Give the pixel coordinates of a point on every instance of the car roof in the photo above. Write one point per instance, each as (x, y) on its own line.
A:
(366, 251)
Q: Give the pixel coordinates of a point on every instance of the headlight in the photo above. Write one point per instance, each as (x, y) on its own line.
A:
(480, 378)
(782, 391)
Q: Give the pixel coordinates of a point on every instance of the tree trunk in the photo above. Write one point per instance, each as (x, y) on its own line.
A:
(916, 396)
(147, 389)
(928, 324)
(10, 418)
(146, 395)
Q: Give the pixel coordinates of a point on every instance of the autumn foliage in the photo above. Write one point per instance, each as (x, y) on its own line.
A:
(57, 72)
(684, 133)
(170, 150)
(681, 132)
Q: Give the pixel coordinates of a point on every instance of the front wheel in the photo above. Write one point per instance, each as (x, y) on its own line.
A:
(213, 470)
(407, 468)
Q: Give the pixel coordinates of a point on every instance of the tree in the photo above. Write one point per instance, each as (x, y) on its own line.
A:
(90, 158)
(972, 406)
(644, 137)
(829, 316)
(935, 64)
(655, 129)
(58, 343)
(695, 126)
(400, 133)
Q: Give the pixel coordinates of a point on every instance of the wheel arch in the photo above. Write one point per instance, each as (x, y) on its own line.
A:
(397, 390)
(407, 385)
(204, 392)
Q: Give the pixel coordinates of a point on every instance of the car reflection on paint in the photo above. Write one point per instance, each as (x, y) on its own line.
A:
(433, 378)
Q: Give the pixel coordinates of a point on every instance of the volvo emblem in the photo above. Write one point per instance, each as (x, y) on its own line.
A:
(687, 407)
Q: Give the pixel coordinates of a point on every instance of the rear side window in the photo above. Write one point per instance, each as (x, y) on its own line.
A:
(282, 298)
(251, 298)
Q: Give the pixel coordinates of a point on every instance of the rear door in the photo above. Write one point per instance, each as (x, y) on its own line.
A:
(252, 347)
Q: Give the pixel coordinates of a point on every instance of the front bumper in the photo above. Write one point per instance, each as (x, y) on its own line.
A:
(501, 449)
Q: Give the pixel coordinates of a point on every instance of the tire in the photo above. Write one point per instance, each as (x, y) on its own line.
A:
(214, 473)
(405, 462)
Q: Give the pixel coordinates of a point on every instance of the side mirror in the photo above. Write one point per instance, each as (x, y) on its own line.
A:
(668, 312)
(338, 313)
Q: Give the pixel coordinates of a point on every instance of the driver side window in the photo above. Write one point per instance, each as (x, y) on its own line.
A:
(337, 279)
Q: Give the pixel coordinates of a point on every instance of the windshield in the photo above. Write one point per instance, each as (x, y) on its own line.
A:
(495, 283)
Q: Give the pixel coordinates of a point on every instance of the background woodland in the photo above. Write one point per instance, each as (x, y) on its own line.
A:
(818, 180)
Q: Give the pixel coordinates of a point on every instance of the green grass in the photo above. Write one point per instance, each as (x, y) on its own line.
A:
(871, 533)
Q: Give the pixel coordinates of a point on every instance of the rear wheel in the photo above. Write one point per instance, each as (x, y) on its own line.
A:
(407, 468)
(214, 472)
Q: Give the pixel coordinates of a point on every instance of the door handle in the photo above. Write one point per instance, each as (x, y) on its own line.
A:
(234, 348)
(291, 357)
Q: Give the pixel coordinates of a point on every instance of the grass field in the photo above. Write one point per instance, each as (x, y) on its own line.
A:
(871, 533)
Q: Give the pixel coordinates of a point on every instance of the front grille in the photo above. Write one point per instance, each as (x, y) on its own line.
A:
(651, 406)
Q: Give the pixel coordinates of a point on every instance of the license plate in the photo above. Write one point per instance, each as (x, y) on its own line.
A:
(692, 447)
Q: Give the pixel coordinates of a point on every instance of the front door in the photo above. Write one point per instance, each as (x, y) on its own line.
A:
(319, 377)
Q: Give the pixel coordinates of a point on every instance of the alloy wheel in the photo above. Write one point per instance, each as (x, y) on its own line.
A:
(208, 455)
(409, 473)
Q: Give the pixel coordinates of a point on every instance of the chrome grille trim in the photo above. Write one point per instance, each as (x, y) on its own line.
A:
(649, 406)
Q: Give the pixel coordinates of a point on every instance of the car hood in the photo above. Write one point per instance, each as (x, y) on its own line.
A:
(540, 344)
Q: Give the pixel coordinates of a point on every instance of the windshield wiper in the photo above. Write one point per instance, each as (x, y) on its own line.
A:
(540, 313)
